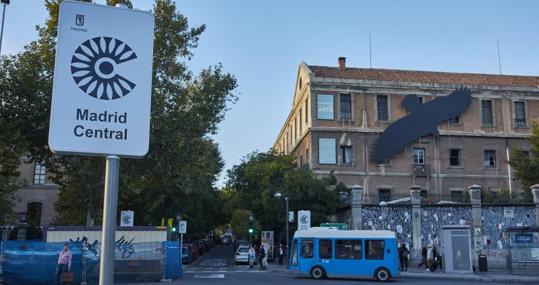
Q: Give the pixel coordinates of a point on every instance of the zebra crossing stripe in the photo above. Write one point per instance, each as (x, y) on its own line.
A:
(209, 276)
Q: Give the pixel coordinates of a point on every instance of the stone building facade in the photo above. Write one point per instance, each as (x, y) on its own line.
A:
(34, 202)
(339, 112)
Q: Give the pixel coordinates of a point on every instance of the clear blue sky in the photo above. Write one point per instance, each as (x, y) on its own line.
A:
(262, 43)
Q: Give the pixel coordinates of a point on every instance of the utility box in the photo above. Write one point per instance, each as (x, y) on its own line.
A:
(457, 249)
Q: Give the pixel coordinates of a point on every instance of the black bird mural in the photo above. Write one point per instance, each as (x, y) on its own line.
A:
(422, 120)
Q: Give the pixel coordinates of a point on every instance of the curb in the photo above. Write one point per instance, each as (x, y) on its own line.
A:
(472, 277)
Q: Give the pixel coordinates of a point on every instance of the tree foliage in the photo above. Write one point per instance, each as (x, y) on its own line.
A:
(257, 179)
(177, 174)
(526, 166)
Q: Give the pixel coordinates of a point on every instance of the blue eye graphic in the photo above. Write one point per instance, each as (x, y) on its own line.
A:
(94, 68)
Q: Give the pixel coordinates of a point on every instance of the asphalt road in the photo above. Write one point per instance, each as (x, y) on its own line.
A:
(217, 267)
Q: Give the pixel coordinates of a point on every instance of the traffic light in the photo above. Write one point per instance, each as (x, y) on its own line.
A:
(251, 229)
(173, 229)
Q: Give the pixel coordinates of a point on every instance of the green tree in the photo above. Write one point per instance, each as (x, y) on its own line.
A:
(527, 166)
(177, 174)
(260, 176)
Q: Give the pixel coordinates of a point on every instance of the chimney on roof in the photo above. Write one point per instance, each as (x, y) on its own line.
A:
(342, 63)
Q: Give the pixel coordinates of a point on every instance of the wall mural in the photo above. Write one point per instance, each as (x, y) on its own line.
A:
(422, 120)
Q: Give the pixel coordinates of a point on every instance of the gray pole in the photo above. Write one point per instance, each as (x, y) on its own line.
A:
(2, 29)
(286, 221)
(110, 205)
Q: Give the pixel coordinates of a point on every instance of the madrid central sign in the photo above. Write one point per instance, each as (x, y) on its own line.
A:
(102, 81)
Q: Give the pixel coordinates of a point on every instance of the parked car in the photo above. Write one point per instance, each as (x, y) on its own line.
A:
(186, 255)
(193, 250)
(242, 254)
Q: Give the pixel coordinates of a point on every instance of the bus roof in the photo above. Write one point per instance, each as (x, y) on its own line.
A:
(328, 232)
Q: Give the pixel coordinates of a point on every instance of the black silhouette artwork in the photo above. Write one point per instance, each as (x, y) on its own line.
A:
(422, 120)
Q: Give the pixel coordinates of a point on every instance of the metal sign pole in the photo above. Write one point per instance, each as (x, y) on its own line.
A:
(110, 205)
(181, 251)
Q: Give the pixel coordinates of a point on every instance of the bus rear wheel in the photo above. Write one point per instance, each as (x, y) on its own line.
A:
(382, 274)
(318, 272)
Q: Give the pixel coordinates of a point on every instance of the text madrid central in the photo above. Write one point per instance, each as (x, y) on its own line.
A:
(105, 117)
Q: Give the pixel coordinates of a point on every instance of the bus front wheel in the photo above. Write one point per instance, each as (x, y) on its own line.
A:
(318, 272)
(382, 274)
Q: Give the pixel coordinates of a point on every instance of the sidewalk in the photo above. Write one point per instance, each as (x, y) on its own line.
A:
(494, 276)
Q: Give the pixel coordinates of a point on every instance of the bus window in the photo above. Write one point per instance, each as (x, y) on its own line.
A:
(307, 248)
(375, 249)
(348, 249)
(325, 249)
(294, 252)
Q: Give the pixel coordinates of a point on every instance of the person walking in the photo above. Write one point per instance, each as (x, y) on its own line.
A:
(423, 257)
(281, 254)
(64, 263)
(252, 256)
(261, 256)
(403, 257)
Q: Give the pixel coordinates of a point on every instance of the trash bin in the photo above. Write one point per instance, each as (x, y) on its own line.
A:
(483, 266)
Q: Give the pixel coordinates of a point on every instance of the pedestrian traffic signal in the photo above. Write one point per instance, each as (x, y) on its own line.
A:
(251, 231)
(251, 228)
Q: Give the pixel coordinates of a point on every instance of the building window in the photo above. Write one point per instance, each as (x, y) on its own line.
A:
(346, 154)
(307, 249)
(300, 83)
(454, 121)
(489, 160)
(454, 157)
(419, 155)
(325, 249)
(424, 194)
(307, 157)
(384, 195)
(520, 114)
(348, 249)
(326, 151)
(382, 108)
(40, 173)
(300, 122)
(486, 113)
(346, 107)
(374, 249)
(325, 107)
(297, 127)
(457, 196)
(307, 111)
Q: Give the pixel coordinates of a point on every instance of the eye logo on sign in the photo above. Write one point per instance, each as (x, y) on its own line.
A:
(94, 67)
(304, 219)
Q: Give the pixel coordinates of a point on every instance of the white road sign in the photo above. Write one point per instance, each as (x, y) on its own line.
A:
(127, 218)
(102, 81)
(304, 220)
(182, 227)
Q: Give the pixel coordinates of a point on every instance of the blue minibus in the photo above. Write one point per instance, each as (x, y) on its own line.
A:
(328, 252)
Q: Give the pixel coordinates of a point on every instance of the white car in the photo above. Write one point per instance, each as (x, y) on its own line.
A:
(242, 254)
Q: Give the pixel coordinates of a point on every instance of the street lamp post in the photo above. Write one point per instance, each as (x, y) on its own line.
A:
(5, 2)
(279, 195)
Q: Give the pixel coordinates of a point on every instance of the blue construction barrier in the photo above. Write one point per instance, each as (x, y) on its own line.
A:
(173, 265)
(35, 262)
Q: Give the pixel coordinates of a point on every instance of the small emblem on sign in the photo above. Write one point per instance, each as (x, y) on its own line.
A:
(79, 20)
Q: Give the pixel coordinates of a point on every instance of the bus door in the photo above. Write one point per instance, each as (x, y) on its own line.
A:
(293, 262)
(306, 255)
(375, 255)
(348, 257)
(325, 256)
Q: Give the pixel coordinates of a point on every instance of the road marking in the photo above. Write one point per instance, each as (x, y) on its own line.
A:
(209, 276)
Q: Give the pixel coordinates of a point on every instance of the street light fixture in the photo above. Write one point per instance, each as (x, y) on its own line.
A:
(279, 195)
(5, 2)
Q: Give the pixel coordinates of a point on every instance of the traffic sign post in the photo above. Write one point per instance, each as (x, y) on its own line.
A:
(182, 229)
(101, 97)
